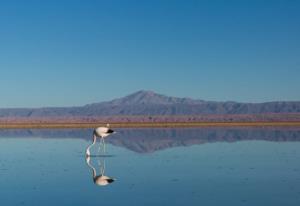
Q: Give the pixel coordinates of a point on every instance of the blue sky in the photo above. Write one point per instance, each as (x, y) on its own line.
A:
(62, 53)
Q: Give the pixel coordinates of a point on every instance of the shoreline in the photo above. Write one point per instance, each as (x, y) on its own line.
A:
(67, 125)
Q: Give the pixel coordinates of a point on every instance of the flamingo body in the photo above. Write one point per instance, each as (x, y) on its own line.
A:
(103, 132)
(99, 132)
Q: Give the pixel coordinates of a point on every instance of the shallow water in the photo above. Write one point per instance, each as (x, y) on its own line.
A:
(208, 166)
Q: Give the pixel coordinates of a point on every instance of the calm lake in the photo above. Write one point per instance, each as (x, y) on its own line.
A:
(206, 166)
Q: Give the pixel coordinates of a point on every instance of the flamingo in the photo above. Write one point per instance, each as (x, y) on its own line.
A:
(99, 132)
(101, 180)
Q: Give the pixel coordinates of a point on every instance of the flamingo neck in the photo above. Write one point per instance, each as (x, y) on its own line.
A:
(92, 168)
(94, 142)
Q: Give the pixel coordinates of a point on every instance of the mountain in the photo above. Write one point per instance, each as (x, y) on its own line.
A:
(150, 103)
(149, 97)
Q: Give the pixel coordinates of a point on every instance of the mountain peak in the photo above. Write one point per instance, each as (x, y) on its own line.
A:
(140, 97)
(150, 97)
(143, 93)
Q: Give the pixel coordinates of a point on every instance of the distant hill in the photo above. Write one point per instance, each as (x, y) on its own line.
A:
(151, 103)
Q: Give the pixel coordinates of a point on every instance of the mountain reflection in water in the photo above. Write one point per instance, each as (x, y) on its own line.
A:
(151, 140)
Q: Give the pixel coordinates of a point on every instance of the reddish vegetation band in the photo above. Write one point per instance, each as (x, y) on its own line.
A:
(291, 119)
(151, 124)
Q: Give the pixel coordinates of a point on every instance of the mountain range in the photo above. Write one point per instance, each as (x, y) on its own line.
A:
(150, 103)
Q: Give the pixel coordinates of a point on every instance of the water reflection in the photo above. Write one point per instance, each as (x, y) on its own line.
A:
(245, 173)
(151, 140)
(101, 179)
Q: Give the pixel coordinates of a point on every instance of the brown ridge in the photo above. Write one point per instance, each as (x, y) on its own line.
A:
(45, 125)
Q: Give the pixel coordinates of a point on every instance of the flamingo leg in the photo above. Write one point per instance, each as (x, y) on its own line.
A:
(103, 146)
(100, 146)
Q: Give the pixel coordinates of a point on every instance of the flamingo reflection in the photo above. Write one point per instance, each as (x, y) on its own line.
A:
(101, 179)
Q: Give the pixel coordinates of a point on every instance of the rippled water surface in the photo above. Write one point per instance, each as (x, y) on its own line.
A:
(208, 166)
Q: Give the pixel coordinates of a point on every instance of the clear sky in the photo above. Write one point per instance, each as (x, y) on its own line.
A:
(62, 53)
